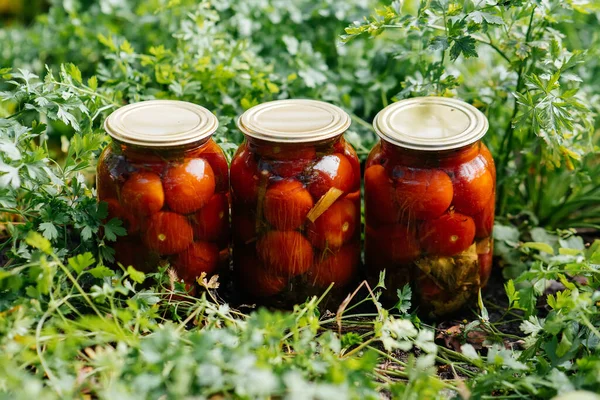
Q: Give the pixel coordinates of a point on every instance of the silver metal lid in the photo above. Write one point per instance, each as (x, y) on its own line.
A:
(161, 123)
(294, 121)
(430, 123)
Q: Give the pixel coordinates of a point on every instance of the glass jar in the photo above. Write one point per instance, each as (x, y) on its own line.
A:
(429, 201)
(295, 185)
(168, 181)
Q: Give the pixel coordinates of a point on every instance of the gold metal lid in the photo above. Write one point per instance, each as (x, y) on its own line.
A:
(430, 123)
(294, 121)
(161, 123)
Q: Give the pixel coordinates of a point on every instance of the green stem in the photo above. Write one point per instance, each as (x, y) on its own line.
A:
(359, 348)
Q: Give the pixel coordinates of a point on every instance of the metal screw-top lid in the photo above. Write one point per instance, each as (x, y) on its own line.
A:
(294, 121)
(430, 123)
(161, 123)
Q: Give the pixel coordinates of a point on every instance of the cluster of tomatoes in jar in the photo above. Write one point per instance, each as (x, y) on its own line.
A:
(295, 218)
(429, 220)
(174, 205)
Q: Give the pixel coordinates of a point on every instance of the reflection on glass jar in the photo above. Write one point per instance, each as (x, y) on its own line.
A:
(429, 202)
(295, 185)
(167, 180)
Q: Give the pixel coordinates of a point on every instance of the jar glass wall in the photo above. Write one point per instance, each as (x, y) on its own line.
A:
(173, 199)
(430, 212)
(295, 210)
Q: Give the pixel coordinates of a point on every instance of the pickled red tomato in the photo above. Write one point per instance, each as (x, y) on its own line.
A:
(331, 171)
(473, 186)
(484, 219)
(285, 253)
(489, 159)
(143, 194)
(379, 196)
(212, 153)
(485, 267)
(168, 233)
(212, 220)
(287, 203)
(346, 149)
(354, 197)
(375, 157)
(189, 185)
(245, 176)
(391, 244)
(454, 158)
(422, 193)
(287, 161)
(199, 257)
(115, 210)
(339, 267)
(335, 226)
(256, 279)
(447, 235)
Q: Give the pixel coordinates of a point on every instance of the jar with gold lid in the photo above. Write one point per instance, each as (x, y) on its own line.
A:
(167, 180)
(429, 201)
(295, 185)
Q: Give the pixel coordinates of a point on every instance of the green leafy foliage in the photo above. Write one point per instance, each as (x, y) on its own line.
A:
(536, 85)
(70, 327)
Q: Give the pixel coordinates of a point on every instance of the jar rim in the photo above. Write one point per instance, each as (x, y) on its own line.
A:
(161, 124)
(431, 123)
(294, 121)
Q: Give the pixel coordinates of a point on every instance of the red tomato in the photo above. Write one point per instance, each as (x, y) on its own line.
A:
(489, 160)
(116, 211)
(285, 151)
(454, 158)
(391, 244)
(422, 193)
(245, 176)
(379, 196)
(143, 193)
(473, 187)
(354, 197)
(447, 235)
(199, 257)
(285, 253)
(484, 220)
(189, 185)
(211, 222)
(335, 226)
(168, 233)
(244, 226)
(375, 156)
(331, 171)
(287, 161)
(339, 267)
(286, 204)
(342, 146)
(485, 267)
(213, 154)
(256, 280)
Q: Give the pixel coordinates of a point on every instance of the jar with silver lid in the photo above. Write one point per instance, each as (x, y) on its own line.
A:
(168, 181)
(295, 185)
(429, 201)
